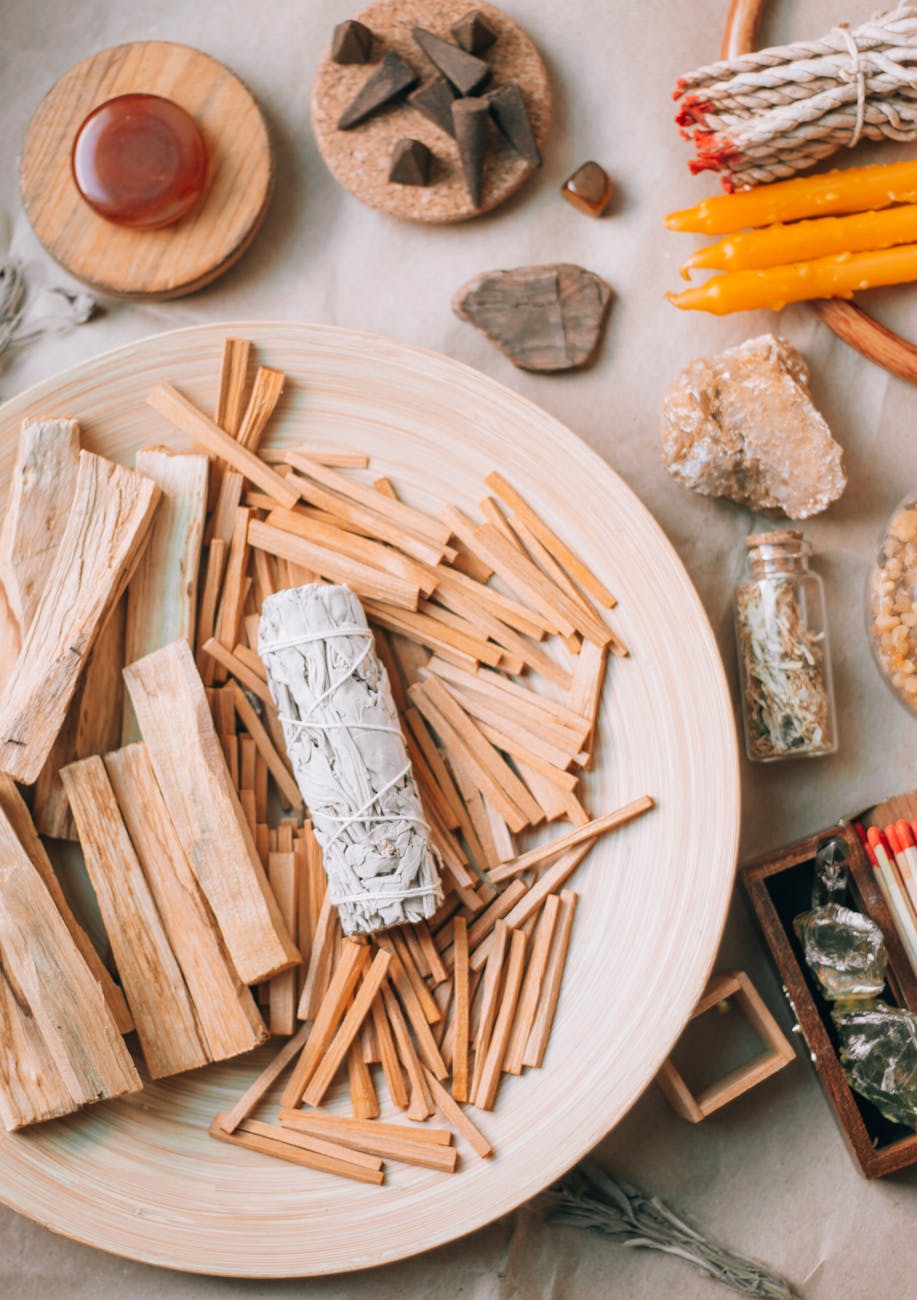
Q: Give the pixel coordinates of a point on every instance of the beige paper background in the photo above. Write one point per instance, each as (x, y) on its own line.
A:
(769, 1175)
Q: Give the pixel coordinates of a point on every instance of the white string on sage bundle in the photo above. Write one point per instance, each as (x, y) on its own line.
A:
(345, 743)
(765, 116)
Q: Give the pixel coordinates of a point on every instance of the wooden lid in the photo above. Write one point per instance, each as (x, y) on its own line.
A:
(360, 158)
(179, 258)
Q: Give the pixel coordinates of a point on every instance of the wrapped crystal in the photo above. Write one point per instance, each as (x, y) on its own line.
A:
(879, 1055)
(843, 949)
(344, 740)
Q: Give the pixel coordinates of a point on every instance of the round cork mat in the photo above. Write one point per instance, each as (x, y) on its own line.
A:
(181, 257)
(360, 158)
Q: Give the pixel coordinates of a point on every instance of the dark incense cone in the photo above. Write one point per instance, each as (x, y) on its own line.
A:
(411, 163)
(391, 79)
(434, 100)
(469, 117)
(473, 32)
(352, 42)
(511, 116)
(465, 72)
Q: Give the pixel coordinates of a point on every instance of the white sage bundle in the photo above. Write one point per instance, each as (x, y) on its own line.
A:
(348, 754)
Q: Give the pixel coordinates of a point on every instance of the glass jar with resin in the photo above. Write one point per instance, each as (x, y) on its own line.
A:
(891, 602)
(784, 660)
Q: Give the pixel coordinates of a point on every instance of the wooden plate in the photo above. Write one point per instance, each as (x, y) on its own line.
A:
(140, 1177)
(179, 258)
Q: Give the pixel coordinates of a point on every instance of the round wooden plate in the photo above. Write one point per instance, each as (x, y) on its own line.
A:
(149, 263)
(360, 158)
(140, 1177)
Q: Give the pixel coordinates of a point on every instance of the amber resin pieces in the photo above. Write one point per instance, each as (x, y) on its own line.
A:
(742, 425)
(588, 189)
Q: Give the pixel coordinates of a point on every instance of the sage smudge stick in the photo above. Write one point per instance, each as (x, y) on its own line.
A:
(345, 743)
(590, 1198)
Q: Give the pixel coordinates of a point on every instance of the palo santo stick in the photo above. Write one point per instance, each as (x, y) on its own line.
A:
(546, 852)
(514, 644)
(426, 632)
(388, 1144)
(172, 711)
(531, 987)
(496, 656)
(395, 942)
(251, 659)
(486, 1092)
(489, 1003)
(233, 376)
(549, 539)
(585, 694)
(32, 1088)
(49, 980)
(267, 389)
(13, 812)
(164, 1016)
(509, 744)
(184, 415)
(418, 1109)
(162, 596)
(345, 514)
(319, 970)
(42, 487)
(451, 582)
(453, 1113)
(258, 1090)
(363, 1100)
(206, 624)
(229, 499)
(553, 977)
(529, 704)
(276, 765)
(225, 1009)
(406, 517)
(283, 1150)
(426, 628)
(337, 1126)
(337, 1049)
(363, 549)
(426, 1043)
(461, 1014)
(106, 528)
(353, 961)
(321, 456)
(306, 1142)
(233, 582)
(93, 724)
(388, 1056)
(241, 671)
(282, 991)
(334, 566)
(530, 901)
(438, 972)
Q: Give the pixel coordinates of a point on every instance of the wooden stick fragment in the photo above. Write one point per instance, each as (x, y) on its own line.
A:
(363, 549)
(485, 1094)
(241, 671)
(296, 1155)
(258, 1090)
(184, 415)
(106, 528)
(585, 693)
(233, 379)
(462, 1009)
(267, 389)
(282, 994)
(337, 1049)
(319, 972)
(337, 510)
(553, 977)
(161, 1006)
(55, 1013)
(306, 1142)
(353, 961)
(366, 581)
(489, 1002)
(426, 1043)
(226, 1012)
(531, 987)
(391, 1141)
(162, 596)
(419, 1106)
(388, 1056)
(172, 711)
(321, 456)
(363, 1099)
(233, 582)
(42, 487)
(276, 764)
(579, 835)
(452, 1111)
(337, 1126)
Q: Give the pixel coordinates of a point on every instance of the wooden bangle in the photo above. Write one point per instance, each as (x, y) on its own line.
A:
(849, 322)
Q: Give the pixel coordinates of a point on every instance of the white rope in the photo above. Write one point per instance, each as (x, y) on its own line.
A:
(767, 115)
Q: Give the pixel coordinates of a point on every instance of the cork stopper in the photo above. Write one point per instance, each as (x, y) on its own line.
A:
(781, 537)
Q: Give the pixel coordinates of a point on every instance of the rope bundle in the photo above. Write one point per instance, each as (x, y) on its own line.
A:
(765, 116)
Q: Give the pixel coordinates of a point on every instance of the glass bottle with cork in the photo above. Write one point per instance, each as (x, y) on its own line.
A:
(784, 659)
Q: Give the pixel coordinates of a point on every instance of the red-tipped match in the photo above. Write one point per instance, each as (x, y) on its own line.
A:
(893, 842)
(905, 834)
(874, 836)
(864, 840)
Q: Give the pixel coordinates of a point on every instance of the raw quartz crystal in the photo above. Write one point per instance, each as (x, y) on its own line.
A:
(742, 425)
(843, 949)
(879, 1055)
(344, 740)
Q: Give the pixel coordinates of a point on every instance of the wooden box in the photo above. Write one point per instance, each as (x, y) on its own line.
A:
(779, 887)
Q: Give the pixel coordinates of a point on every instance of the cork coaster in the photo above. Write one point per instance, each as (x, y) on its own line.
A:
(360, 158)
(178, 258)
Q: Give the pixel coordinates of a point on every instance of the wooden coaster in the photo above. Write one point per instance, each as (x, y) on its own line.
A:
(149, 263)
(360, 158)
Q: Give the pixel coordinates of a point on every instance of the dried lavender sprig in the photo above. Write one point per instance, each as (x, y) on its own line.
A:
(590, 1198)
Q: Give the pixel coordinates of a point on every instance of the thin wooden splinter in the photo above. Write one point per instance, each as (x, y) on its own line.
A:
(580, 834)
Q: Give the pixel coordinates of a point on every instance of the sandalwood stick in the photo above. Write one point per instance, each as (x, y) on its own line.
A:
(485, 1094)
(321, 456)
(546, 852)
(353, 960)
(585, 693)
(553, 977)
(388, 1056)
(458, 1118)
(233, 378)
(234, 581)
(531, 986)
(283, 1150)
(337, 1126)
(172, 711)
(461, 1013)
(528, 703)
(306, 1142)
(531, 899)
(489, 1002)
(363, 549)
(282, 998)
(426, 1043)
(239, 670)
(258, 1090)
(404, 1149)
(184, 415)
(346, 514)
(337, 1049)
(106, 528)
(319, 971)
(419, 1107)
(363, 1100)
(366, 581)
(276, 764)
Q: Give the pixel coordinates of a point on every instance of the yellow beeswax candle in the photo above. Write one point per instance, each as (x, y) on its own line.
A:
(839, 276)
(805, 240)
(856, 189)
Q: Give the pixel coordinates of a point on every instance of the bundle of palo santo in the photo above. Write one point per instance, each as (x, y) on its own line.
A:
(203, 890)
(826, 236)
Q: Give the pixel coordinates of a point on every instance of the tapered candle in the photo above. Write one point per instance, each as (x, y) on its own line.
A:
(840, 276)
(804, 240)
(855, 189)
